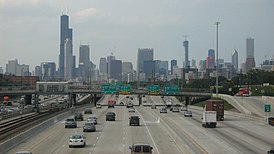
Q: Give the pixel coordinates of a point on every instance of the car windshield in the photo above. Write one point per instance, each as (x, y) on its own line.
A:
(137, 149)
(146, 148)
(76, 137)
(89, 124)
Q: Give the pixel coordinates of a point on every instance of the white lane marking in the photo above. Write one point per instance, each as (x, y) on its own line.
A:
(64, 145)
(97, 138)
(149, 132)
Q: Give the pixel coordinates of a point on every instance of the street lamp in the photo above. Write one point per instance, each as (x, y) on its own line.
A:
(217, 61)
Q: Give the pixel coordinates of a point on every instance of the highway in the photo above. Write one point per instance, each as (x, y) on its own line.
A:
(166, 133)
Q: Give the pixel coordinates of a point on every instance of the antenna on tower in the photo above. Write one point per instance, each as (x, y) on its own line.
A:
(185, 36)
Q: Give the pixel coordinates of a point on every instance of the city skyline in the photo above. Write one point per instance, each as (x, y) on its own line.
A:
(108, 30)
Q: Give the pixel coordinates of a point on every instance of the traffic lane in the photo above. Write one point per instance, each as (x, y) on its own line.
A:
(253, 106)
(112, 137)
(181, 137)
(54, 139)
(157, 100)
(135, 134)
(162, 141)
(262, 104)
(235, 138)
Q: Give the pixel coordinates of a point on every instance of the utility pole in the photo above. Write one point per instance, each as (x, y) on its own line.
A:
(217, 61)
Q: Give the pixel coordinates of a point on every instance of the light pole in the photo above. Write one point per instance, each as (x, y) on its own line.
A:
(217, 61)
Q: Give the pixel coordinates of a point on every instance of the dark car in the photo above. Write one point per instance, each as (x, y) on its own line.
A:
(140, 148)
(163, 110)
(271, 151)
(70, 123)
(89, 127)
(79, 116)
(88, 111)
(134, 120)
(110, 116)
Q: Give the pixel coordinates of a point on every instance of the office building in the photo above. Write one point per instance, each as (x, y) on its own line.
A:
(172, 64)
(1, 70)
(127, 71)
(103, 66)
(186, 63)
(149, 70)
(144, 54)
(68, 74)
(210, 60)
(48, 71)
(250, 60)
(11, 67)
(65, 33)
(235, 60)
(115, 70)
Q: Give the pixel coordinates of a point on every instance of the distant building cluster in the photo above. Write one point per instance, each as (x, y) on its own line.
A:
(147, 68)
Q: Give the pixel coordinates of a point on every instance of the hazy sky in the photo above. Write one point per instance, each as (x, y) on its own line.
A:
(29, 29)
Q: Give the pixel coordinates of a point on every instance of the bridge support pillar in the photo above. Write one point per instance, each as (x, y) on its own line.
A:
(74, 99)
(94, 98)
(187, 101)
(140, 99)
(27, 99)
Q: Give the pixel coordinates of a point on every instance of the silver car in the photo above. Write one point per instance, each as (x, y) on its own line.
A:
(92, 119)
(70, 123)
(77, 140)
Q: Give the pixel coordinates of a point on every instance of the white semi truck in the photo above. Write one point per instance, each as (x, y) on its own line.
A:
(209, 119)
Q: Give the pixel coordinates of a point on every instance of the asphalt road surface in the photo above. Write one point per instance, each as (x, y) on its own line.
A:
(167, 133)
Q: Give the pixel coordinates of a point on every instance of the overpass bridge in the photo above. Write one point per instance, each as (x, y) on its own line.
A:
(95, 93)
(184, 92)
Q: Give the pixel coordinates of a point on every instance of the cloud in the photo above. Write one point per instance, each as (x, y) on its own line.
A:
(86, 13)
(9, 3)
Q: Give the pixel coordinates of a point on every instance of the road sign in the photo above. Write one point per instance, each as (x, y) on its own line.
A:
(171, 90)
(124, 89)
(267, 108)
(108, 89)
(153, 89)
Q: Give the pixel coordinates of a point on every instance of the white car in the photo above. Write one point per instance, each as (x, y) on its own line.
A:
(98, 106)
(77, 140)
(92, 119)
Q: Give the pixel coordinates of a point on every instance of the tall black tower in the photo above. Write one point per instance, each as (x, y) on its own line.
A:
(65, 32)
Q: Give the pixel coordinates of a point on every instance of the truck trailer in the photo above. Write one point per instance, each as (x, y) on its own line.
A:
(209, 119)
(218, 106)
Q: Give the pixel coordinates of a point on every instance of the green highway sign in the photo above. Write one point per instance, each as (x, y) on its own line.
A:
(108, 89)
(153, 89)
(171, 90)
(267, 108)
(124, 89)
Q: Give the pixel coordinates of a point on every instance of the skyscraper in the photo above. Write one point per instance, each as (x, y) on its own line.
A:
(210, 60)
(84, 62)
(250, 61)
(115, 70)
(186, 63)
(149, 69)
(235, 60)
(173, 63)
(144, 54)
(65, 32)
(68, 59)
(127, 69)
(48, 70)
(103, 66)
